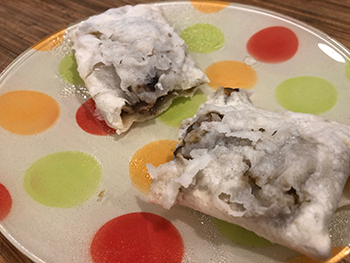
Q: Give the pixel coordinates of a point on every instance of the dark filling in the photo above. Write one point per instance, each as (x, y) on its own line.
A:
(293, 193)
(234, 205)
(194, 134)
(209, 117)
(149, 87)
(143, 107)
(228, 91)
(250, 177)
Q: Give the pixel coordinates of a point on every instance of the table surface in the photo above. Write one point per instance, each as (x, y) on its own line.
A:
(23, 23)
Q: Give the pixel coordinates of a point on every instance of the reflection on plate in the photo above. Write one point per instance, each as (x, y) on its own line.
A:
(72, 191)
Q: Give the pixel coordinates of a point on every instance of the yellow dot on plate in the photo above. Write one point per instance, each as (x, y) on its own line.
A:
(50, 42)
(209, 6)
(27, 112)
(155, 153)
(338, 253)
(230, 73)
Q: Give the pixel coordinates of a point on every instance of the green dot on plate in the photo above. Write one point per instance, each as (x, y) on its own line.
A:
(63, 179)
(182, 108)
(306, 94)
(347, 69)
(203, 38)
(68, 70)
(240, 235)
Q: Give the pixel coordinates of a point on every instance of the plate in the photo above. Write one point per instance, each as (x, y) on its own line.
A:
(71, 190)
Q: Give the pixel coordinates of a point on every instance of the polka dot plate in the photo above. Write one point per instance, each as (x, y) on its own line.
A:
(73, 191)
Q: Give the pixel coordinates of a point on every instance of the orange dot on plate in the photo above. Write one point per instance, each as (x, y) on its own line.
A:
(209, 6)
(230, 73)
(338, 253)
(155, 153)
(50, 42)
(27, 112)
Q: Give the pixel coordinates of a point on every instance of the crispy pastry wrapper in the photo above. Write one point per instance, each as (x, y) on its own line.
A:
(133, 64)
(280, 175)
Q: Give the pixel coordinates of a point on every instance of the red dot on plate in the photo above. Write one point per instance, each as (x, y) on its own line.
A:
(88, 120)
(137, 237)
(273, 44)
(5, 202)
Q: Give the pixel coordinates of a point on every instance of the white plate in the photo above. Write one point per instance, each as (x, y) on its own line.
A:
(61, 228)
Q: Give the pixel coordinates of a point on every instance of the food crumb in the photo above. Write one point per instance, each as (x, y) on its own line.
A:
(101, 195)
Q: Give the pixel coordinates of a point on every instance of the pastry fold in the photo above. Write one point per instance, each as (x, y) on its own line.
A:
(278, 174)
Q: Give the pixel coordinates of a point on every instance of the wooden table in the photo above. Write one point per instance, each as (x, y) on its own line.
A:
(23, 23)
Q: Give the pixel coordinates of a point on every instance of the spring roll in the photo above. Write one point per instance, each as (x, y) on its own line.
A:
(133, 64)
(278, 174)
